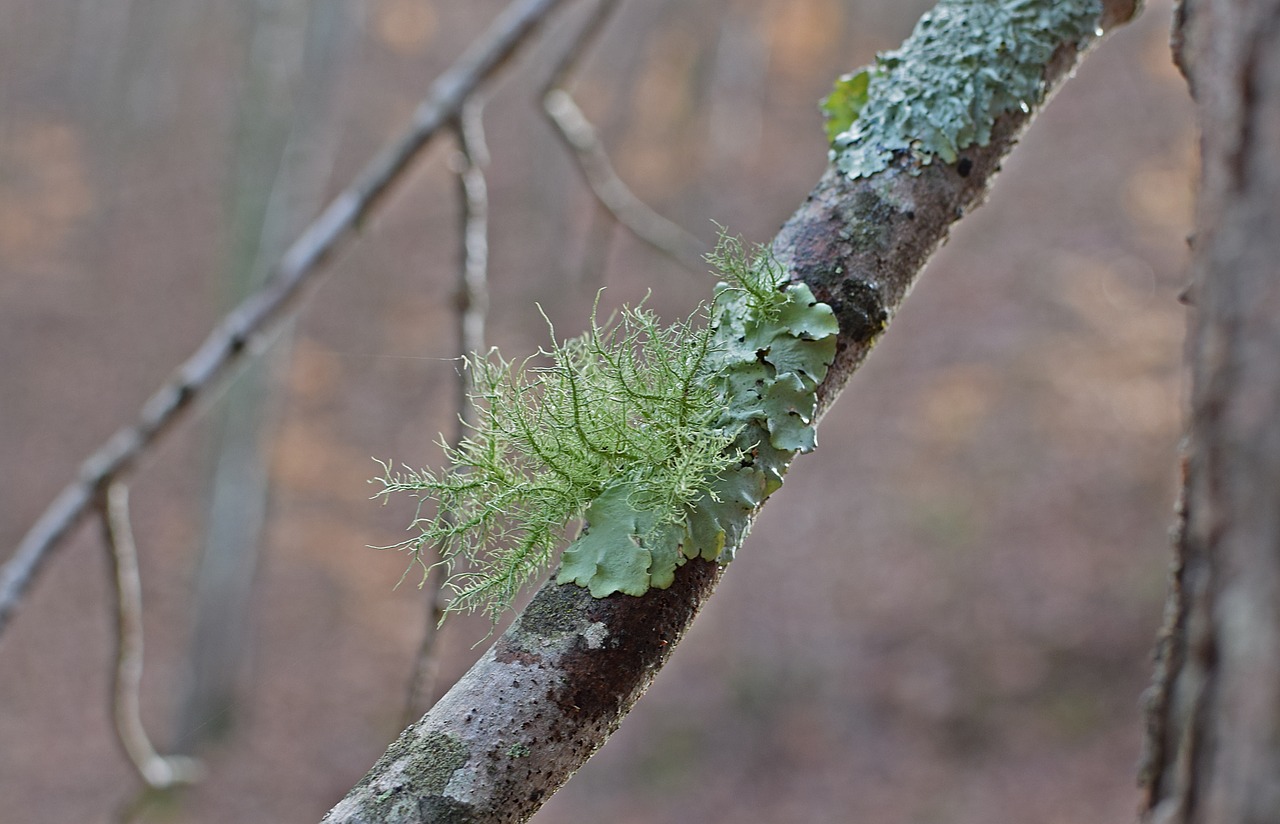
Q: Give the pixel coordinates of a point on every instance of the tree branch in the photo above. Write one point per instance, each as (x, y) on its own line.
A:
(558, 682)
(614, 196)
(248, 327)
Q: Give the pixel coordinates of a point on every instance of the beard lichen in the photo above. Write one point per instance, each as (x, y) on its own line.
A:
(966, 63)
(661, 439)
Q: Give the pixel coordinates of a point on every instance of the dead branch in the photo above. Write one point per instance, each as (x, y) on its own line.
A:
(159, 772)
(614, 196)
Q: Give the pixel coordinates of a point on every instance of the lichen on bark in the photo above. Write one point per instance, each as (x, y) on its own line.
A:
(966, 63)
(662, 439)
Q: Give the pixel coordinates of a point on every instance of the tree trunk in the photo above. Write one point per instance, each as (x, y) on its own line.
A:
(1213, 749)
(552, 689)
(282, 158)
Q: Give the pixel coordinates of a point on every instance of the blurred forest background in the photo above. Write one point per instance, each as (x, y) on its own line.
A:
(945, 615)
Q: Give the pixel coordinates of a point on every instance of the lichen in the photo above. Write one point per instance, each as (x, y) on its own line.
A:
(412, 772)
(550, 619)
(439, 756)
(966, 63)
(595, 635)
(769, 351)
(662, 439)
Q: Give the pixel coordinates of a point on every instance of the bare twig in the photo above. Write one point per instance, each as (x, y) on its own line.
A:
(472, 304)
(473, 286)
(158, 771)
(246, 327)
(573, 127)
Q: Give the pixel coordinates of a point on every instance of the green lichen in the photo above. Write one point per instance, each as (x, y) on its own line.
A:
(438, 756)
(966, 63)
(412, 772)
(662, 439)
(770, 347)
(845, 102)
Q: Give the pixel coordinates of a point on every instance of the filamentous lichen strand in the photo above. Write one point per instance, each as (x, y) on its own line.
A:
(966, 63)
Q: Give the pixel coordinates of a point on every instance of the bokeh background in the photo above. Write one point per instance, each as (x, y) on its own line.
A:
(945, 615)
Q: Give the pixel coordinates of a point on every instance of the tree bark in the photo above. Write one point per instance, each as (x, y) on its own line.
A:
(1213, 748)
(556, 685)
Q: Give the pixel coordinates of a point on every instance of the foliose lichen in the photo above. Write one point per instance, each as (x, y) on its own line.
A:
(765, 363)
(966, 63)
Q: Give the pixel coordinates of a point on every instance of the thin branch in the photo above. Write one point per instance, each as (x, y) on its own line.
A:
(247, 327)
(472, 304)
(473, 286)
(573, 127)
(159, 772)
